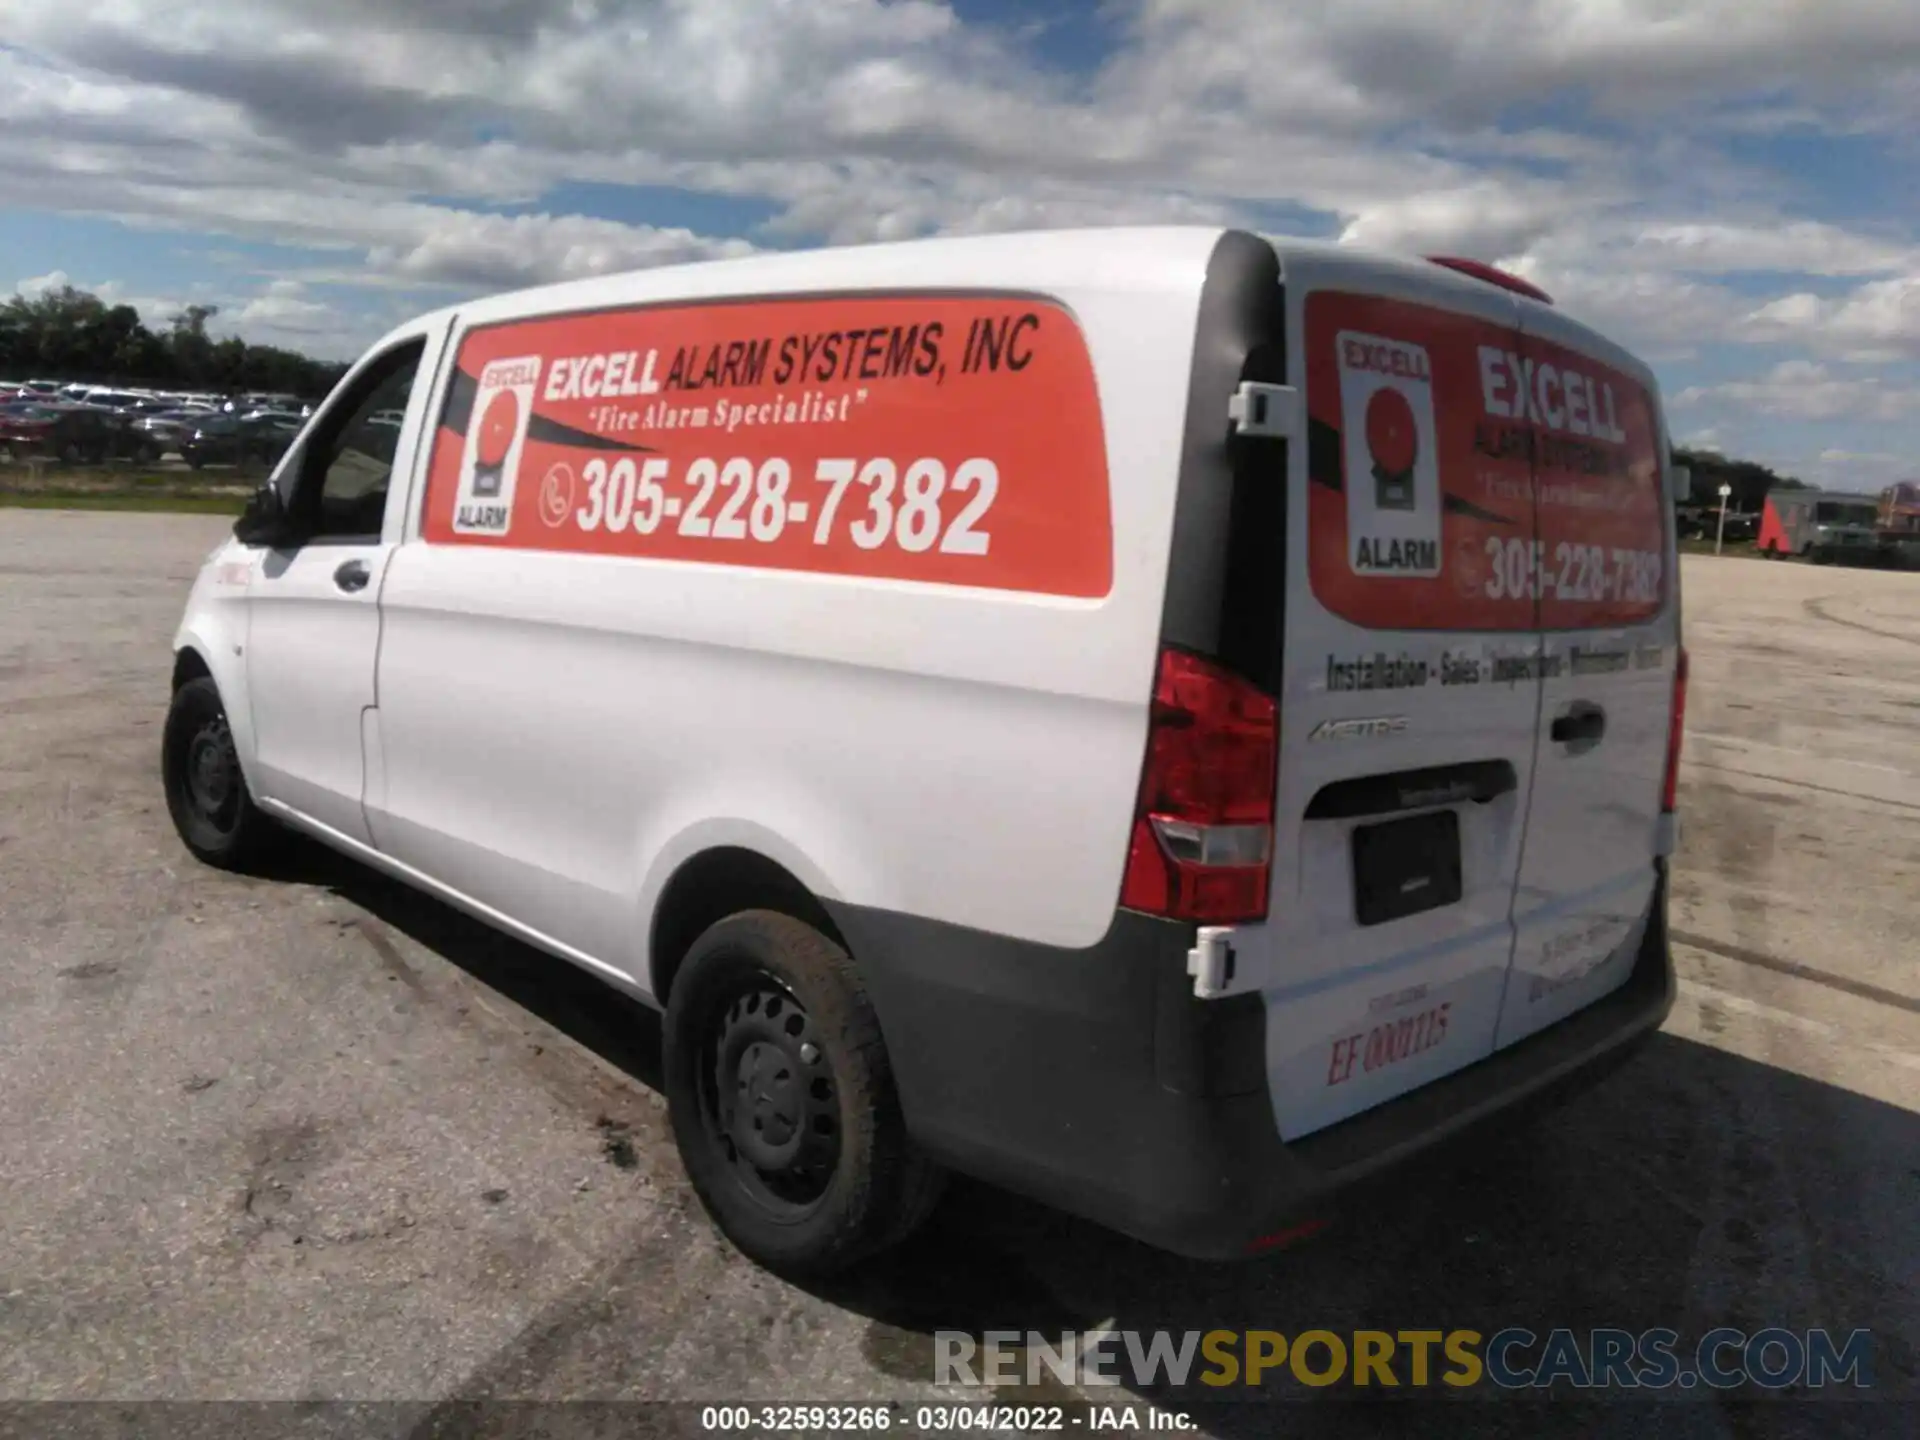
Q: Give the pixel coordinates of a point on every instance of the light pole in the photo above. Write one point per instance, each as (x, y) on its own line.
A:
(1720, 533)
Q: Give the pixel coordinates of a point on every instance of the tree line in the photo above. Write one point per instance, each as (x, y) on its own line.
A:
(71, 334)
(1750, 481)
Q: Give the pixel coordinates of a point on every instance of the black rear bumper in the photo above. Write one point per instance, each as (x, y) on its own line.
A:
(1093, 1080)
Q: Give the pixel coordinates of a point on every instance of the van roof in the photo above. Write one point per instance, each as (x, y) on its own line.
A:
(1138, 258)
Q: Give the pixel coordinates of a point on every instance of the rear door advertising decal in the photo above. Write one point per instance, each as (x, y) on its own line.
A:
(952, 440)
(1466, 479)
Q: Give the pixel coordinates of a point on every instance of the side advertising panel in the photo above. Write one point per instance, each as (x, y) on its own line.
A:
(1437, 438)
(951, 440)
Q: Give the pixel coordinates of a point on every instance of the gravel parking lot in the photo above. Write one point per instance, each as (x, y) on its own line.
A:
(313, 1137)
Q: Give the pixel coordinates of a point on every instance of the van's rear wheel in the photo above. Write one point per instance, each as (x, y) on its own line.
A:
(207, 796)
(782, 1099)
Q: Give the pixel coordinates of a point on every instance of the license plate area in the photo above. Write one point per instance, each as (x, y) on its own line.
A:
(1404, 867)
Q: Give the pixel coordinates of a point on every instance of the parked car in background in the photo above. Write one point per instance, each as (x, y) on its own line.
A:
(72, 434)
(236, 440)
(163, 433)
(112, 399)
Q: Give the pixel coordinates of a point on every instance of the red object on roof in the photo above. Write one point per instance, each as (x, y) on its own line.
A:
(1493, 275)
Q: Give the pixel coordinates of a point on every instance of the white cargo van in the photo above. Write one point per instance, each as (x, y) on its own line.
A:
(1164, 720)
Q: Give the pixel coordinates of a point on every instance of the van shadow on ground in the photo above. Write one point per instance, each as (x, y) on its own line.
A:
(1693, 1189)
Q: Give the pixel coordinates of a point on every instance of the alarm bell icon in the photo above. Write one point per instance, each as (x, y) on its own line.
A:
(1393, 442)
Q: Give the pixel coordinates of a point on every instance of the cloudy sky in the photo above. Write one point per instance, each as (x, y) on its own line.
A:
(1730, 186)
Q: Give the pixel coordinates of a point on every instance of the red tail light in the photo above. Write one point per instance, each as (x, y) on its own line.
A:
(1675, 725)
(1202, 842)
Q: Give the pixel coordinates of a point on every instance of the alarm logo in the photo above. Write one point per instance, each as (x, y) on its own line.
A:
(496, 436)
(1392, 476)
(499, 428)
(1394, 446)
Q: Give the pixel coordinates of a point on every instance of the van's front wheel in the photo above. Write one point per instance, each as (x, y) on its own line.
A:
(207, 795)
(782, 1099)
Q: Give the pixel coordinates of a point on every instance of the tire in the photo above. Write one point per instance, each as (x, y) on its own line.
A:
(827, 1175)
(207, 796)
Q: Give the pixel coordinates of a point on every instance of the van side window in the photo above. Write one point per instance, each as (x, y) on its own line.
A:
(342, 490)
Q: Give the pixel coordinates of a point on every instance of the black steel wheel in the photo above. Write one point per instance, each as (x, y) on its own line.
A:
(769, 1103)
(782, 1098)
(207, 795)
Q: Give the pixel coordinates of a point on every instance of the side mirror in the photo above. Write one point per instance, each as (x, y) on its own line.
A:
(1682, 482)
(265, 522)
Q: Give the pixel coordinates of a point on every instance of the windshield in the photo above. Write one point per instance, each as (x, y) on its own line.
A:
(1835, 513)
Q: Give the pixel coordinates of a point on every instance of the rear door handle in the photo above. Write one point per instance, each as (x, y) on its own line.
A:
(1583, 722)
(352, 575)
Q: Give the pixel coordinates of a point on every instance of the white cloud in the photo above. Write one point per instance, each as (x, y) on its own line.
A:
(506, 251)
(285, 307)
(868, 120)
(1858, 469)
(1876, 321)
(1662, 315)
(1804, 246)
(35, 286)
(1804, 390)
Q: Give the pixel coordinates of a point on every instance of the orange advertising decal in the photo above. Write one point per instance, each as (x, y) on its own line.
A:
(1468, 477)
(951, 440)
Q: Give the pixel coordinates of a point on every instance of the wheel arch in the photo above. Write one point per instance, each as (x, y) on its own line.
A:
(196, 654)
(188, 665)
(713, 883)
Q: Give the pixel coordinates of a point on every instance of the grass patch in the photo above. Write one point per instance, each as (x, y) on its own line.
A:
(142, 488)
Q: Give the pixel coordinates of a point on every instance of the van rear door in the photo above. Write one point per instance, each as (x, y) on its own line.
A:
(1610, 633)
(1410, 698)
